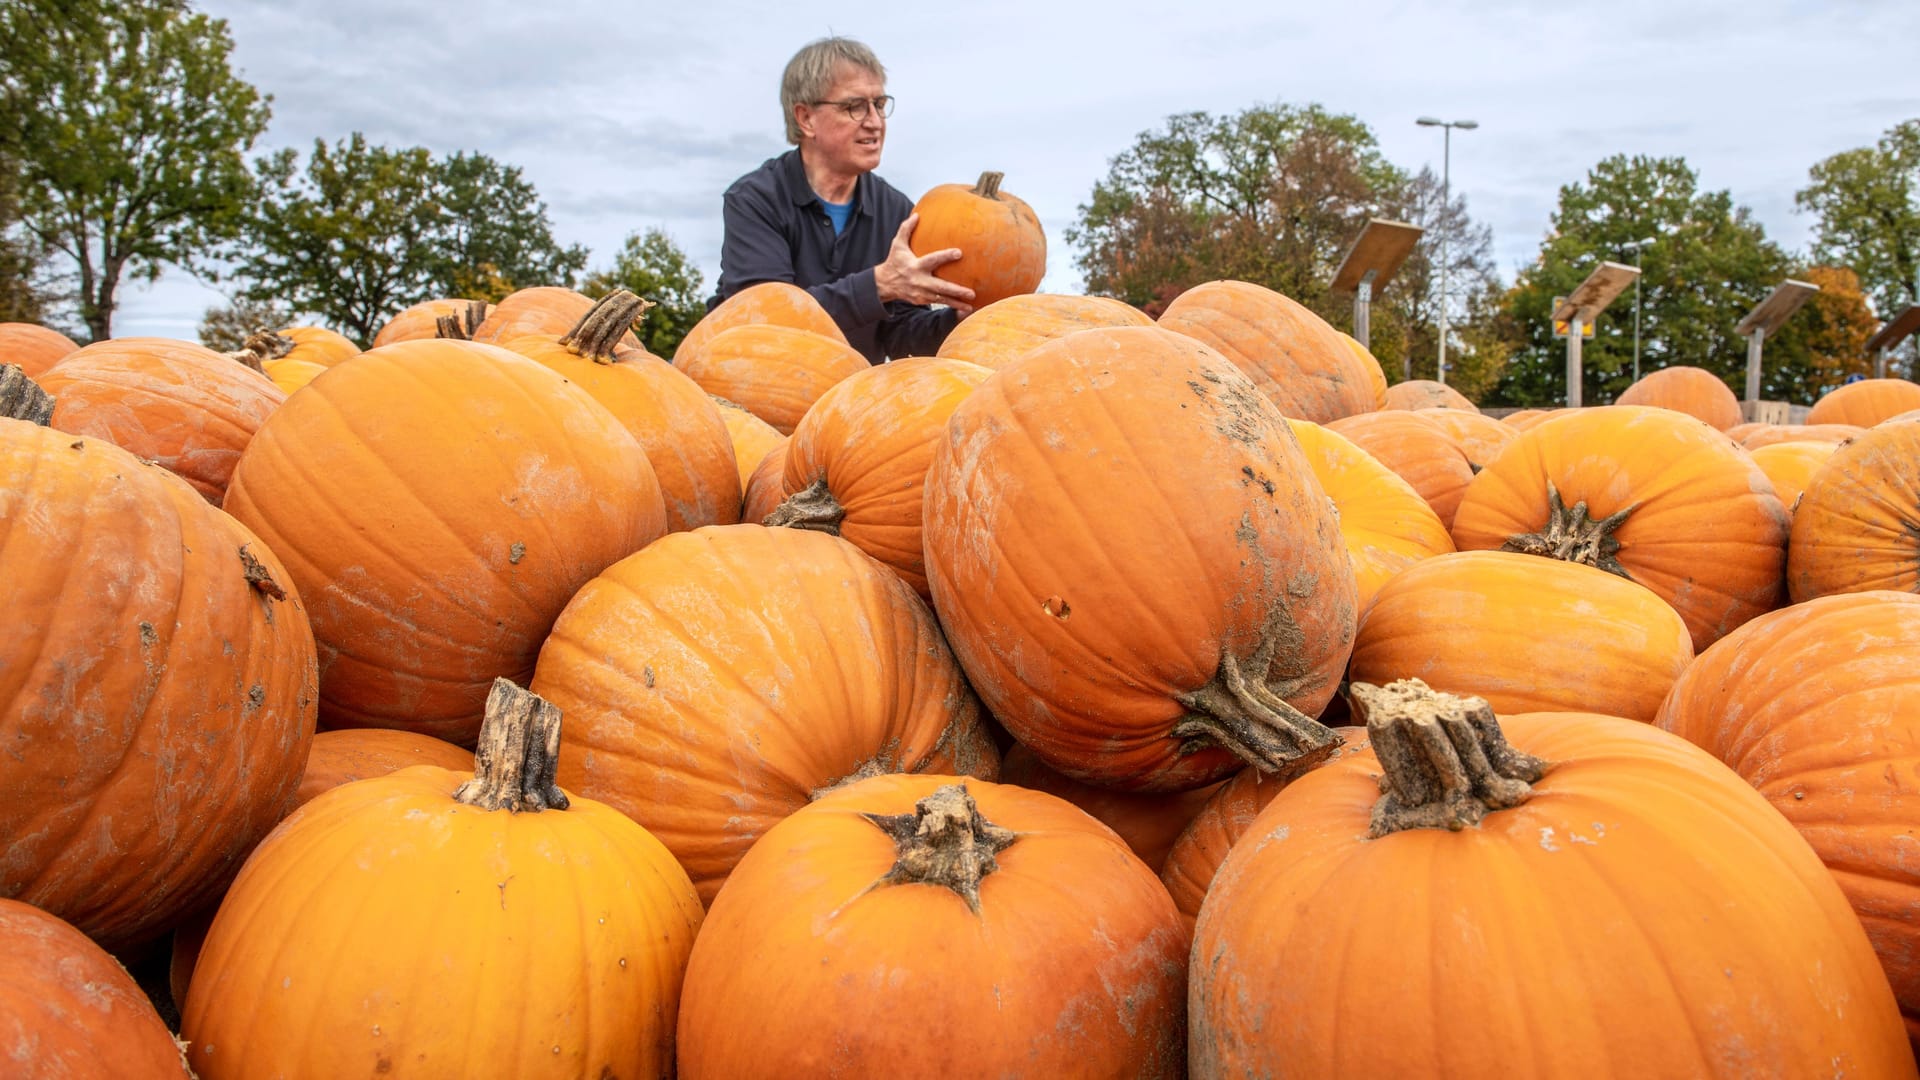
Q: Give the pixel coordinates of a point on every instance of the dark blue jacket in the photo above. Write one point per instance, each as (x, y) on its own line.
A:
(776, 230)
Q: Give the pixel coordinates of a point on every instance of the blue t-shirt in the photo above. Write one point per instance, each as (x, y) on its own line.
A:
(839, 213)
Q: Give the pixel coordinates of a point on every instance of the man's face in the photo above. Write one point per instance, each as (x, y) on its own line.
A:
(845, 144)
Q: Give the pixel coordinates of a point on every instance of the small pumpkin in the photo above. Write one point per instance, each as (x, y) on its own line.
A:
(1479, 436)
(32, 347)
(1418, 450)
(1003, 250)
(1790, 467)
(318, 345)
(1865, 403)
(770, 303)
(774, 372)
(752, 437)
(766, 486)
(1427, 394)
(1695, 391)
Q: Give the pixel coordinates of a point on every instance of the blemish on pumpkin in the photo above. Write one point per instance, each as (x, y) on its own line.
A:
(1056, 607)
(149, 637)
(256, 696)
(502, 886)
(1266, 485)
(646, 674)
(516, 552)
(77, 444)
(1546, 839)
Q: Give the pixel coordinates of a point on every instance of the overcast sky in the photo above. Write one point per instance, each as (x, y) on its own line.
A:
(627, 116)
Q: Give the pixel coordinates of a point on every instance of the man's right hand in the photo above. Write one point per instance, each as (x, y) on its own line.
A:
(910, 277)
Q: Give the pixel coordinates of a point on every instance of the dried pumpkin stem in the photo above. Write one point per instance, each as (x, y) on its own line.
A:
(989, 185)
(944, 842)
(1571, 536)
(1447, 762)
(451, 326)
(599, 331)
(813, 508)
(519, 748)
(22, 399)
(1246, 717)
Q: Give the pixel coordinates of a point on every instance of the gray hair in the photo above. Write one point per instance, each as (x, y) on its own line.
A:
(811, 71)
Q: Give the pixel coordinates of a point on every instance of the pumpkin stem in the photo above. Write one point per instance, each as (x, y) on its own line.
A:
(989, 185)
(23, 399)
(1247, 717)
(1447, 762)
(519, 748)
(1571, 536)
(461, 326)
(599, 331)
(944, 842)
(814, 508)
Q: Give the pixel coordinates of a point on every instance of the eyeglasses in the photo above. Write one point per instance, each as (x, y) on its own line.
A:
(857, 108)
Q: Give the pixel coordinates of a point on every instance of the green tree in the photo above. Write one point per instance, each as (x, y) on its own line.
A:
(650, 265)
(1406, 315)
(130, 130)
(1824, 342)
(1709, 264)
(1867, 205)
(495, 236)
(23, 296)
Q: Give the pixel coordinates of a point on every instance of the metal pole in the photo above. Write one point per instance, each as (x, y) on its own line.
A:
(1446, 174)
(1880, 364)
(1636, 316)
(1362, 309)
(1574, 330)
(1754, 341)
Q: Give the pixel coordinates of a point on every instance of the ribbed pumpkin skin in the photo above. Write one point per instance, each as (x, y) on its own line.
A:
(870, 440)
(774, 372)
(1003, 250)
(1695, 391)
(67, 1009)
(1609, 926)
(997, 334)
(1427, 394)
(319, 345)
(1147, 821)
(1418, 450)
(1290, 353)
(543, 310)
(32, 347)
(1526, 633)
(1818, 706)
(1480, 437)
(1865, 403)
(752, 439)
(155, 708)
(1073, 966)
(188, 408)
(387, 927)
(1790, 466)
(713, 683)
(1109, 521)
(674, 421)
(1854, 529)
(1372, 373)
(419, 321)
(1769, 434)
(1384, 522)
(438, 503)
(1707, 531)
(775, 303)
(291, 375)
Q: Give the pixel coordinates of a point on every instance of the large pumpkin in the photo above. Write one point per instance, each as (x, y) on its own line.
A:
(1384, 523)
(422, 320)
(1769, 434)
(1480, 437)
(1003, 250)
(857, 463)
(67, 1009)
(548, 310)
(718, 680)
(927, 926)
(770, 303)
(1527, 634)
(674, 420)
(1790, 467)
(184, 406)
(1695, 391)
(1418, 450)
(440, 923)
(774, 372)
(438, 503)
(318, 345)
(33, 347)
(1858, 523)
(1416, 394)
(1646, 493)
(997, 334)
(1865, 403)
(1291, 354)
(1135, 565)
(157, 687)
(1818, 706)
(1592, 898)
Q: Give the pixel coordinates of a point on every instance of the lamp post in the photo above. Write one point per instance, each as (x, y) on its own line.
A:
(1446, 168)
(1638, 246)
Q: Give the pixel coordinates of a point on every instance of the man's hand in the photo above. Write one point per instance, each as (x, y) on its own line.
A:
(910, 277)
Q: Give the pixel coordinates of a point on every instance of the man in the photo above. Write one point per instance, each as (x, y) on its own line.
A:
(818, 217)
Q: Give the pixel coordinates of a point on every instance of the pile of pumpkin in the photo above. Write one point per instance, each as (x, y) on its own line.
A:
(1099, 697)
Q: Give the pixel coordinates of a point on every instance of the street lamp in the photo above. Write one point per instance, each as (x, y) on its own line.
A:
(1446, 163)
(1637, 246)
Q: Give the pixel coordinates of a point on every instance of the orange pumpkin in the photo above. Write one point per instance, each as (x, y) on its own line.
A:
(674, 420)
(1003, 250)
(752, 437)
(1291, 354)
(422, 320)
(1695, 391)
(318, 345)
(1384, 523)
(32, 347)
(1525, 419)
(157, 687)
(1148, 821)
(1427, 394)
(1135, 565)
(390, 923)
(773, 303)
(766, 487)
(541, 311)
(1528, 634)
(1371, 372)
(997, 334)
(438, 502)
(1581, 900)
(1790, 467)
(67, 1009)
(1854, 529)
(774, 372)
(291, 375)
(718, 680)
(857, 463)
(1649, 494)
(188, 408)
(1480, 437)
(1769, 434)
(1865, 403)
(915, 926)
(1418, 450)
